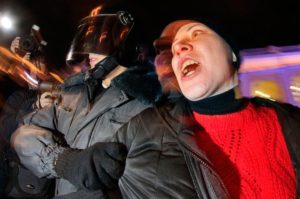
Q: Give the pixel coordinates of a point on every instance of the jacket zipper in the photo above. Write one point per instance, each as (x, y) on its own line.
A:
(192, 153)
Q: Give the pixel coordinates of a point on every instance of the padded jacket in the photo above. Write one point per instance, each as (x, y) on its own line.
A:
(82, 115)
(164, 160)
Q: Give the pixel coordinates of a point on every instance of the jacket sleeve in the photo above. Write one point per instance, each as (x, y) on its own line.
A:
(37, 149)
(126, 134)
(35, 141)
(45, 117)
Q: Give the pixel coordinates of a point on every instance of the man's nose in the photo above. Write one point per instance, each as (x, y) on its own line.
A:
(182, 47)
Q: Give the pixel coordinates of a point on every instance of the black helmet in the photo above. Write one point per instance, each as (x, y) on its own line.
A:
(112, 33)
(103, 34)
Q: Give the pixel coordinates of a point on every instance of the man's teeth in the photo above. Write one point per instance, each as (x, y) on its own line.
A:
(188, 70)
(187, 63)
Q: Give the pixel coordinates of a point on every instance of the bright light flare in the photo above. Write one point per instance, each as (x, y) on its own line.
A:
(264, 95)
(15, 66)
(295, 88)
(6, 22)
(56, 77)
(31, 80)
(96, 11)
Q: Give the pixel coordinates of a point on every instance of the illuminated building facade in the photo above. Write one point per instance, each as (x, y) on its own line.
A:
(271, 72)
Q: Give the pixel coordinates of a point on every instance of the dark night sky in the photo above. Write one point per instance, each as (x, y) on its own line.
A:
(253, 23)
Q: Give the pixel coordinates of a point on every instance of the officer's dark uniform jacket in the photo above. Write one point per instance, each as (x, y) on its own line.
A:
(84, 114)
(164, 160)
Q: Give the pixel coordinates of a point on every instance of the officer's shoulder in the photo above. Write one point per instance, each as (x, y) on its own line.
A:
(73, 80)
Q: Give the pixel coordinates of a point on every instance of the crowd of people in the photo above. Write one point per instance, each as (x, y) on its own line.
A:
(128, 129)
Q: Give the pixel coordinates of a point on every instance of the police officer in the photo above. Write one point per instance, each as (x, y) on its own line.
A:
(92, 106)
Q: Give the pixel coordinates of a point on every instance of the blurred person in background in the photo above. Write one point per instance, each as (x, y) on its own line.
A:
(164, 56)
(55, 142)
(20, 182)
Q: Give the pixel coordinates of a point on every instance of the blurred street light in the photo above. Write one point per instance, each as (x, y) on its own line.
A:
(6, 22)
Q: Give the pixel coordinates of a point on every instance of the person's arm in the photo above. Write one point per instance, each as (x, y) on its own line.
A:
(101, 165)
(35, 141)
(127, 133)
(37, 149)
(45, 117)
(96, 167)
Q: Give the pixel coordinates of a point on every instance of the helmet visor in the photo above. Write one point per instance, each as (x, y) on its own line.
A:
(102, 34)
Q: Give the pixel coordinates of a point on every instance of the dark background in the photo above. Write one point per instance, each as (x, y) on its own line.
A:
(252, 23)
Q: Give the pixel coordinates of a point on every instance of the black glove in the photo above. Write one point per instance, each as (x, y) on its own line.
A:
(97, 167)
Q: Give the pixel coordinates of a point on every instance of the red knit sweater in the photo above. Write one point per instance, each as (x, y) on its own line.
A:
(249, 153)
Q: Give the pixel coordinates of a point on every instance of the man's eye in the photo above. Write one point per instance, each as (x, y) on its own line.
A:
(197, 33)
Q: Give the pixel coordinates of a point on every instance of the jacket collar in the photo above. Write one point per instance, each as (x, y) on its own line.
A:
(139, 82)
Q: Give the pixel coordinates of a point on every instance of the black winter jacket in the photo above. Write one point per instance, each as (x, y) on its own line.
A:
(164, 160)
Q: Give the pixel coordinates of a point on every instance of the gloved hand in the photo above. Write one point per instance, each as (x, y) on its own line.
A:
(97, 167)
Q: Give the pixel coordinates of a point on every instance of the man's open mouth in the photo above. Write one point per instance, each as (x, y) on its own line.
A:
(189, 67)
